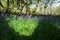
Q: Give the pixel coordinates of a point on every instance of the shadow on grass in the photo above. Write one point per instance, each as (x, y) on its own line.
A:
(44, 31)
(7, 33)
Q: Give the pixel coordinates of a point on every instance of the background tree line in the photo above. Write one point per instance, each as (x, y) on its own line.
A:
(23, 7)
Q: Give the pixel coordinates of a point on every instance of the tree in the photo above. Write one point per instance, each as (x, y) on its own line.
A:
(50, 3)
(26, 4)
(20, 4)
(45, 2)
(7, 10)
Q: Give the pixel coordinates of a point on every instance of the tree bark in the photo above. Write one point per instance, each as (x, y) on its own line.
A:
(7, 10)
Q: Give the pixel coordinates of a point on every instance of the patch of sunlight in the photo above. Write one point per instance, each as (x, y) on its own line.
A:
(23, 26)
(59, 27)
(18, 11)
(24, 10)
(4, 3)
(57, 24)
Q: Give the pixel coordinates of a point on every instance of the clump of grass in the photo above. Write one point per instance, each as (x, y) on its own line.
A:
(23, 26)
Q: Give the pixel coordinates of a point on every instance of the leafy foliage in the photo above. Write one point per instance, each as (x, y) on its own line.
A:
(22, 6)
(57, 10)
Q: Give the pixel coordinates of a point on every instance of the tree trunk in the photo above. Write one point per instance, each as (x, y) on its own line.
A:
(44, 11)
(7, 10)
(50, 10)
(20, 6)
(27, 11)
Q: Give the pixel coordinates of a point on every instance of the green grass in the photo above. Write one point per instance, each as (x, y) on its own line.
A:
(23, 26)
(28, 29)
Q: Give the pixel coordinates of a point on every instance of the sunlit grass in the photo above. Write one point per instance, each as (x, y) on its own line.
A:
(23, 26)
